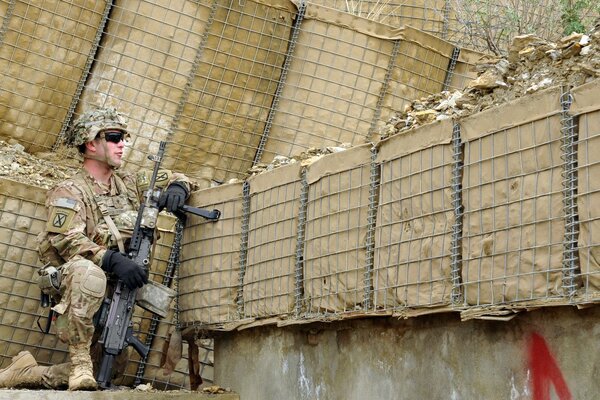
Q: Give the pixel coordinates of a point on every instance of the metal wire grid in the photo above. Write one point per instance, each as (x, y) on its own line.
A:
(375, 178)
(418, 72)
(513, 226)
(332, 87)
(142, 67)
(414, 230)
(20, 220)
(300, 245)
(206, 75)
(42, 58)
(588, 126)
(269, 280)
(210, 268)
(229, 103)
(335, 255)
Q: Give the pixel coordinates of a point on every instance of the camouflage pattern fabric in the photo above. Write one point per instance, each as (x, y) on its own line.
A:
(90, 123)
(83, 240)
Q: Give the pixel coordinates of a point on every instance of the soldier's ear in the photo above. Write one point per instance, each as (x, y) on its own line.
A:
(91, 146)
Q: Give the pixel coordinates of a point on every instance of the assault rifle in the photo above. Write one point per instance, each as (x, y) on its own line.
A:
(115, 315)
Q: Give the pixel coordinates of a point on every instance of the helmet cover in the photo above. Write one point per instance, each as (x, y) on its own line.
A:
(92, 122)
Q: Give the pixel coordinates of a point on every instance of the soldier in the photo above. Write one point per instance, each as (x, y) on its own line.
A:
(89, 217)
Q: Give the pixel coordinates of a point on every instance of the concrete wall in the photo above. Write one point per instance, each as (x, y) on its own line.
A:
(430, 357)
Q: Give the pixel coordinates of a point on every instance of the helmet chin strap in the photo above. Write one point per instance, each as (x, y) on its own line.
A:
(104, 159)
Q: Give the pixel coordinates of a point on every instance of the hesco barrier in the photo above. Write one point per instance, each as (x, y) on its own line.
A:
(228, 84)
(22, 218)
(586, 110)
(486, 216)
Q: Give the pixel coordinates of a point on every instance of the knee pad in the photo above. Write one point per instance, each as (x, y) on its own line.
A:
(93, 282)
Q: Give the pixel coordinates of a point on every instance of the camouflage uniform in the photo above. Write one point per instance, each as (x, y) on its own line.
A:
(84, 243)
(77, 237)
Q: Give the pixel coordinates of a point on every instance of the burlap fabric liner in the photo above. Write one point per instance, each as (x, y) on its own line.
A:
(22, 217)
(336, 76)
(587, 107)
(42, 57)
(336, 230)
(414, 220)
(233, 89)
(513, 217)
(269, 280)
(210, 258)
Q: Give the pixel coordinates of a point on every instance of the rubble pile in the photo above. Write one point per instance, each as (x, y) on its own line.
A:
(305, 158)
(43, 170)
(532, 64)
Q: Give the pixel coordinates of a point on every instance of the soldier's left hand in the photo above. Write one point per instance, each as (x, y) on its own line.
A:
(173, 197)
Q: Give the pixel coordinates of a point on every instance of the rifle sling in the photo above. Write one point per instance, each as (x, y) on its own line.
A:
(109, 222)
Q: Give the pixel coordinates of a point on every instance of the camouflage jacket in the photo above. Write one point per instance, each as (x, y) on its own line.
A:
(76, 227)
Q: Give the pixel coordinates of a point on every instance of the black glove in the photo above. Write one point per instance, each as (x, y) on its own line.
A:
(173, 197)
(129, 272)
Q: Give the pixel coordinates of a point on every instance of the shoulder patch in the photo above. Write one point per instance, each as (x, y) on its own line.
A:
(144, 177)
(61, 214)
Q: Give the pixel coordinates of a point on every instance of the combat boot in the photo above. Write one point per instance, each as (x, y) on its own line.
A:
(81, 376)
(24, 372)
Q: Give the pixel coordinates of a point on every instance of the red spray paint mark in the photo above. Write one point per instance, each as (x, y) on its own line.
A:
(545, 371)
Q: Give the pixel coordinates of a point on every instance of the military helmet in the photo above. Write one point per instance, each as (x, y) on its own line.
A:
(92, 122)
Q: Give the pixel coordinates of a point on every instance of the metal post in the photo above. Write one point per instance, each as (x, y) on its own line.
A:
(299, 279)
(243, 247)
(569, 174)
(457, 226)
(371, 223)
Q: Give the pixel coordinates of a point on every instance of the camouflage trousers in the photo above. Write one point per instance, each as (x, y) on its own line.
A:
(83, 287)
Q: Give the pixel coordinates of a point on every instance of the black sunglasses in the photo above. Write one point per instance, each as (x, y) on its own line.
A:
(112, 136)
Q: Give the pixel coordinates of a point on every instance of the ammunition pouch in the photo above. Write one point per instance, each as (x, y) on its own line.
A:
(155, 298)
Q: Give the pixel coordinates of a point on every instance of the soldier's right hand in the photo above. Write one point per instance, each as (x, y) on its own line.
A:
(129, 272)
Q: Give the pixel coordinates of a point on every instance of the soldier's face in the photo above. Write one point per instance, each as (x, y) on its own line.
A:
(111, 150)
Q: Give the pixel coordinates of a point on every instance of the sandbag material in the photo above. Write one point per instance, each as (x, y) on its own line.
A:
(586, 110)
(336, 230)
(210, 259)
(22, 217)
(512, 194)
(42, 59)
(269, 281)
(414, 219)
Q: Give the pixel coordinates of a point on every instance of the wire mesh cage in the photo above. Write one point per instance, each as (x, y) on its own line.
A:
(269, 287)
(210, 271)
(513, 194)
(587, 116)
(335, 256)
(414, 222)
(22, 217)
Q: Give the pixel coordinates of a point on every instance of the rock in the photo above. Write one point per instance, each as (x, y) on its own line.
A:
(489, 80)
(532, 65)
(518, 44)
